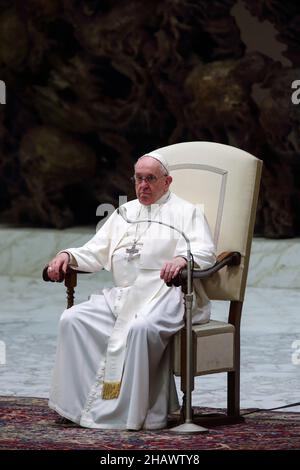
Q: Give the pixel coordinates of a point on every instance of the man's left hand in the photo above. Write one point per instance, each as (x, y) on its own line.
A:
(171, 268)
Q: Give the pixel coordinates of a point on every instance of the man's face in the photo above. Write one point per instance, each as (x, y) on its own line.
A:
(148, 192)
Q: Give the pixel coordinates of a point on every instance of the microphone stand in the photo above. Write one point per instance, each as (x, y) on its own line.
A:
(188, 426)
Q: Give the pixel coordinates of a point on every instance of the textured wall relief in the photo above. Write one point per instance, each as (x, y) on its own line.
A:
(91, 85)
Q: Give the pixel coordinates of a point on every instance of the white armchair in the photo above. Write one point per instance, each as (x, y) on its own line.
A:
(225, 180)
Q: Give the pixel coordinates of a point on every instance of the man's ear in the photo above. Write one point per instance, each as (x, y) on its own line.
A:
(169, 180)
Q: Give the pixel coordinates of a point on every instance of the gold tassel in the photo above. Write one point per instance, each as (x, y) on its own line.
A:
(111, 390)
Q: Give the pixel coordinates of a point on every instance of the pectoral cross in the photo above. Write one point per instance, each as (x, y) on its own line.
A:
(132, 251)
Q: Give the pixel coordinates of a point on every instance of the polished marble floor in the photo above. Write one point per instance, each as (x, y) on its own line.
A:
(270, 331)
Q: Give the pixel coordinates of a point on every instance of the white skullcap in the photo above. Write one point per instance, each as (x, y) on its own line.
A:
(157, 156)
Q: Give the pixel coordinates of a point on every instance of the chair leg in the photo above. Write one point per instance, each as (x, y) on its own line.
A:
(233, 377)
(233, 393)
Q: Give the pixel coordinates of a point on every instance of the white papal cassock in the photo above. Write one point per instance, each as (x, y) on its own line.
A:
(112, 366)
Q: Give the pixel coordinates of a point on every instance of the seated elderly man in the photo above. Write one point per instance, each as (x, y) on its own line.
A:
(112, 365)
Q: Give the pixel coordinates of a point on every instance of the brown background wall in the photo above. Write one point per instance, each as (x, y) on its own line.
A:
(92, 85)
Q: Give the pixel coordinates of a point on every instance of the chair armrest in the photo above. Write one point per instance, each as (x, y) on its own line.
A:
(61, 274)
(70, 279)
(227, 258)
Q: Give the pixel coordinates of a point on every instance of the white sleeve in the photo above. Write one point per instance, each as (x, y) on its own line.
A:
(196, 228)
(93, 255)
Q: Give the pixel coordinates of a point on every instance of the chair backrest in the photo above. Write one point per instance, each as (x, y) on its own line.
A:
(225, 181)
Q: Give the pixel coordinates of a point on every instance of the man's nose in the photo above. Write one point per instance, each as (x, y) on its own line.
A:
(144, 183)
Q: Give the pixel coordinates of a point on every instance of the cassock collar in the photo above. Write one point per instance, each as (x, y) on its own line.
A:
(164, 198)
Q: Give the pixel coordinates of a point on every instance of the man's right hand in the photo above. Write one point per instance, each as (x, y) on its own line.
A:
(57, 265)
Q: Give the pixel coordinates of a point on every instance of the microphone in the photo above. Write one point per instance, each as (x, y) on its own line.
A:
(188, 426)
